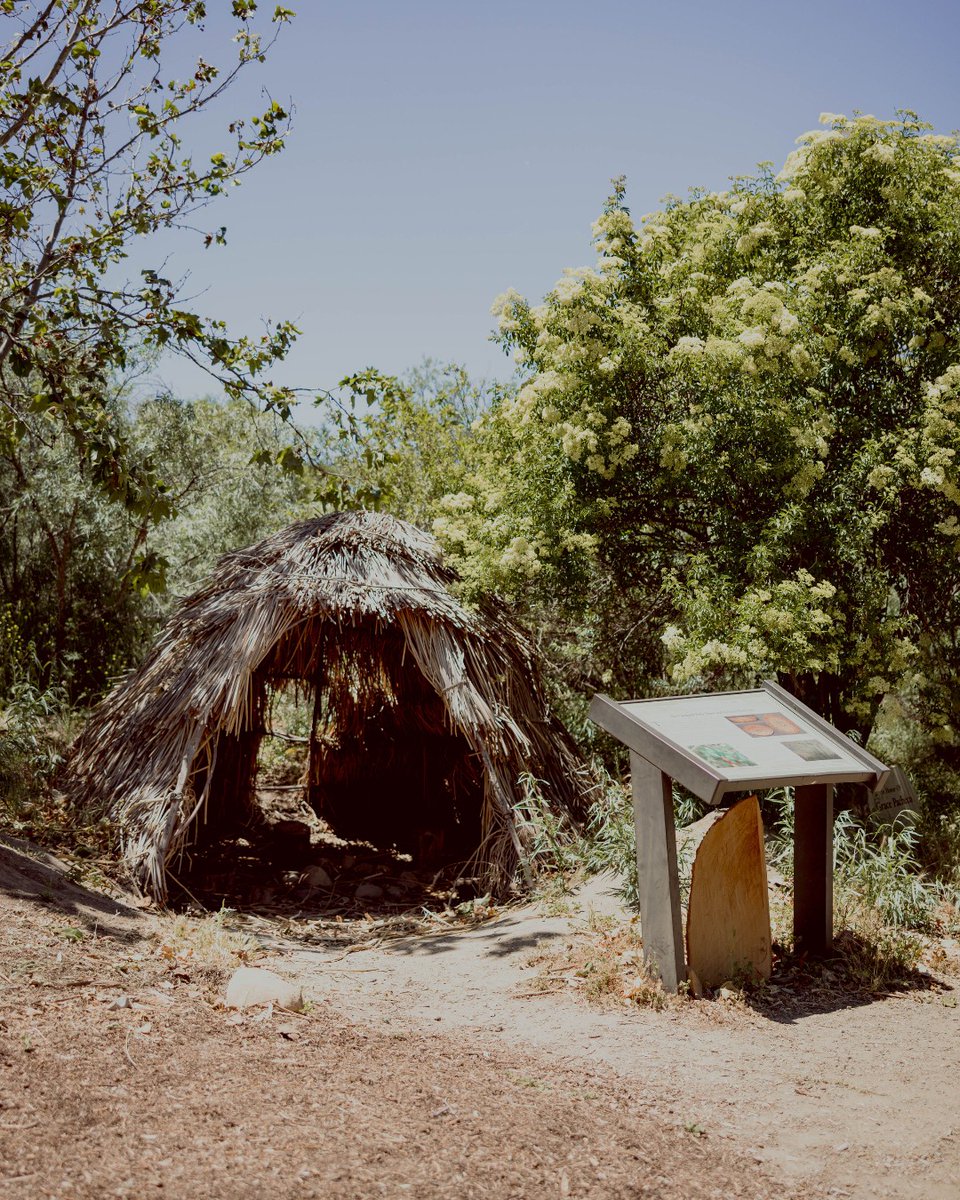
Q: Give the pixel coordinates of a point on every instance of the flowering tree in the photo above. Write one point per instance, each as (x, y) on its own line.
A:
(92, 158)
(737, 437)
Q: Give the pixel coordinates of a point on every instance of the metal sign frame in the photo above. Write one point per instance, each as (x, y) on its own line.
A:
(656, 759)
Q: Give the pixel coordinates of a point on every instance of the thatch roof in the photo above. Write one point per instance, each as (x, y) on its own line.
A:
(352, 603)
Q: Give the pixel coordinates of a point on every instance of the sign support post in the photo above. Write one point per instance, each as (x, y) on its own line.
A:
(657, 875)
(813, 868)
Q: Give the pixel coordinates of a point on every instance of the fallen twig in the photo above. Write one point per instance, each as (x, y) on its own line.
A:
(126, 1050)
(355, 949)
(67, 983)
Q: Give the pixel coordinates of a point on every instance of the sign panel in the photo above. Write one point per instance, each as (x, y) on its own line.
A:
(738, 741)
(729, 742)
(744, 736)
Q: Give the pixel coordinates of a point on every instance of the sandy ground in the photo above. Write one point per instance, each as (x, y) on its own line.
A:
(860, 1100)
(429, 1066)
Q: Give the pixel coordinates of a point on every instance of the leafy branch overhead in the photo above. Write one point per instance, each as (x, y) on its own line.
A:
(92, 158)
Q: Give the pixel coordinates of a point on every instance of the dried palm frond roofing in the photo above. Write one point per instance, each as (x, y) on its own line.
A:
(285, 609)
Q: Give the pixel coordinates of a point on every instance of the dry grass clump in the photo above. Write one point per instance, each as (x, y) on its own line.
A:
(203, 949)
(604, 963)
(870, 954)
(875, 955)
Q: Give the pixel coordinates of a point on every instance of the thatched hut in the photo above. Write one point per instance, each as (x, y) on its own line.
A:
(426, 713)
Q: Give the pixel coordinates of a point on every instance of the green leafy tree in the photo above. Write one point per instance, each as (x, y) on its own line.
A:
(84, 580)
(737, 436)
(399, 444)
(74, 565)
(222, 499)
(92, 158)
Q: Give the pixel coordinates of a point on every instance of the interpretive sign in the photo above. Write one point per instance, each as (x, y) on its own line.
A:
(895, 802)
(732, 742)
(738, 741)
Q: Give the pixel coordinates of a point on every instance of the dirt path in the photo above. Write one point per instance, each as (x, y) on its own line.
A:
(860, 1101)
(428, 1068)
(122, 1075)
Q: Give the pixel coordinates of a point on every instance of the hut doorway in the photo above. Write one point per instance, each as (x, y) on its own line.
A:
(362, 756)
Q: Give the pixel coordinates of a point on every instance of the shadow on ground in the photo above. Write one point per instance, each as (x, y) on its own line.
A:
(857, 974)
(496, 939)
(29, 873)
(326, 880)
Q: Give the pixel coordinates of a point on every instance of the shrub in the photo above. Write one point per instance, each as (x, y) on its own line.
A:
(32, 739)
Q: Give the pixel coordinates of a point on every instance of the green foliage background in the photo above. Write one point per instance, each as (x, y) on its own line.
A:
(729, 451)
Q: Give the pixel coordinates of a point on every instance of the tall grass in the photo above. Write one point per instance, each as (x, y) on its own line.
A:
(881, 867)
(875, 868)
(550, 842)
(36, 727)
(882, 899)
(611, 838)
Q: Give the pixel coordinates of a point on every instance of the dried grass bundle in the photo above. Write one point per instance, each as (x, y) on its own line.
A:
(348, 602)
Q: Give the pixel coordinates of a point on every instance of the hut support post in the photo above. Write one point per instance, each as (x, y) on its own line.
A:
(312, 790)
(657, 877)
(813, 869)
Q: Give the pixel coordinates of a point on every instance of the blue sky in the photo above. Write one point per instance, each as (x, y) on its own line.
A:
(445, 151)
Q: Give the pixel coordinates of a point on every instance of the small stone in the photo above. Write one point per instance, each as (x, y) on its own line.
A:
(369, 891)
(251, 986)
(316, 877)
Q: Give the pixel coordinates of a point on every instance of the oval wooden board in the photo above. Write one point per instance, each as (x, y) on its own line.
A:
(728, 915)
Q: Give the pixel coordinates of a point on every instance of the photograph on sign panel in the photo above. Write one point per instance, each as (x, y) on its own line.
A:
(810, 750)
(771, 724)
(723, 755)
